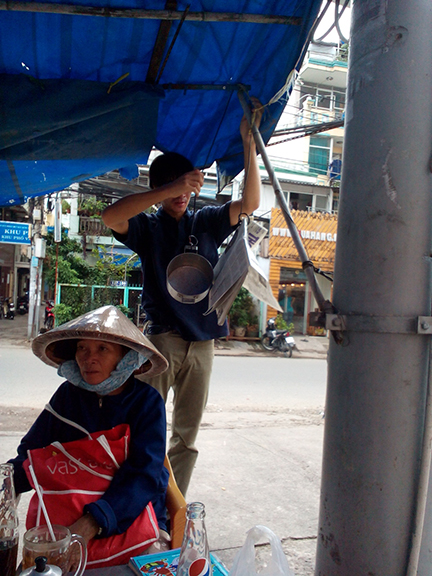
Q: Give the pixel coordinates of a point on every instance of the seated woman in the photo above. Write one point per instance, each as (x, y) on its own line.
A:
(98, 354)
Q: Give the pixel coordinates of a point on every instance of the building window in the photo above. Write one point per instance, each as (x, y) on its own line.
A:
(305, 202)
(300, 201)
(319, 154)
(324, 97)
(339, 102)
(321, 202)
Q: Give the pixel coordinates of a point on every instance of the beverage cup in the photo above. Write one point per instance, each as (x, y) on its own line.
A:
(38, 542)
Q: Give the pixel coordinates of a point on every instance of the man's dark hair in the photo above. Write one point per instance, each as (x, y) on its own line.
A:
(168, 167)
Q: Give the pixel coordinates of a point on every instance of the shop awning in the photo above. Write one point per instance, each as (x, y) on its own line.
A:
(90, 86)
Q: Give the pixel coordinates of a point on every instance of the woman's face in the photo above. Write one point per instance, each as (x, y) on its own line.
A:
(96, 360)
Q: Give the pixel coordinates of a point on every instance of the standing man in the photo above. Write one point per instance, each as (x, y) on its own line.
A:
(180, 331)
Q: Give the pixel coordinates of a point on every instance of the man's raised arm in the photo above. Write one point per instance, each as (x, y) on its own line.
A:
(251, 198)
(117, 215)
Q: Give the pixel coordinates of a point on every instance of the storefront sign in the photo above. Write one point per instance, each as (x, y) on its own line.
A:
(14, 232)
(312, 234)
(317, 231)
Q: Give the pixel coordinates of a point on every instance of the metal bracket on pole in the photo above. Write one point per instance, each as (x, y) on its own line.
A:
(424, 325)
(308, 267)
(379, 324)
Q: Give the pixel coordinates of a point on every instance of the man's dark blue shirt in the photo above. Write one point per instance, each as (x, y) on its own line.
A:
(157, 239)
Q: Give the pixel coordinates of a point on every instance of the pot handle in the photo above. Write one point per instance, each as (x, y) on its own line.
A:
(192, 246)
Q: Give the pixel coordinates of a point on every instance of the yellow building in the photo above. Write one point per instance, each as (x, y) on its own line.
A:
(287, 278)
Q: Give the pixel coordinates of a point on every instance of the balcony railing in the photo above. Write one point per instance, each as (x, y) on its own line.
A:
(93, 227)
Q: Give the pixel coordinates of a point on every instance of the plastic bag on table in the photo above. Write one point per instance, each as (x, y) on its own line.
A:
(244, 562)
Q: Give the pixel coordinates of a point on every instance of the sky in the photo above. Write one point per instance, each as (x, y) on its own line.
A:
(328, 20)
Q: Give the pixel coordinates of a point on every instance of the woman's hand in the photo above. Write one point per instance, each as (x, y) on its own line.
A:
(87, 527)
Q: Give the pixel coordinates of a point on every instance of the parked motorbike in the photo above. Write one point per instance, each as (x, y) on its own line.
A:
(22, 304)
(49, 314)
(8, 309)
(274, 339)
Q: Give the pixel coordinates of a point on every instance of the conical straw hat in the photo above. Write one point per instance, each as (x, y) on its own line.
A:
(107, 324)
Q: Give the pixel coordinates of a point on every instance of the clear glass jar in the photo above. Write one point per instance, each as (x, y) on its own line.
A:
(195, 554)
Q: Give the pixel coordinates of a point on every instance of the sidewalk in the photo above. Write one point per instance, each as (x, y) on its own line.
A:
(306, 347)
(14, 333)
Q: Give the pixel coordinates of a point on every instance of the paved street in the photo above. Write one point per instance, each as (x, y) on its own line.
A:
(260, 445)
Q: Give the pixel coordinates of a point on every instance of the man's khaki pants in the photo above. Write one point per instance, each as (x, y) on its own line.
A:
(188, 374)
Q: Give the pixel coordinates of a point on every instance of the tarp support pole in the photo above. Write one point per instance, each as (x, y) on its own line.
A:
(169, 15)
(306, 263)
(377, 383)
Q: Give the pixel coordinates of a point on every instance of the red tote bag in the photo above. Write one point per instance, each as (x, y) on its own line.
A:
(76, 473)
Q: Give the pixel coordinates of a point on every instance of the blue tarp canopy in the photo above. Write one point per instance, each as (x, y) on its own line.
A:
(90, 86)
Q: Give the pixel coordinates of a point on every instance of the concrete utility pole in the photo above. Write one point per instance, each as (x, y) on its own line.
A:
(36, 267)
(378, 380)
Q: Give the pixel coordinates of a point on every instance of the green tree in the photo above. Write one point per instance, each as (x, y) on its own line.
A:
(73, 269)
(106, 270)
(69, 265)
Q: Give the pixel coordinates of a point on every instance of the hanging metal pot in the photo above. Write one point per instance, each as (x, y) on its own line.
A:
(189, 275)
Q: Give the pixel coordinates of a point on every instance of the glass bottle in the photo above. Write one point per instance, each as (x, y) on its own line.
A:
(8, 522)
(194, 557)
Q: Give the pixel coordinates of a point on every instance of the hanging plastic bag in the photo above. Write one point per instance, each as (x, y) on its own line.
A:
(244, 562)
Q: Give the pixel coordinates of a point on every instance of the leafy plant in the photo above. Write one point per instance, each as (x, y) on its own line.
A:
(65, 207)
(91, 207)
(280, 323)
(242, 319)
(124, 309)
(242, 312)
(63, 313)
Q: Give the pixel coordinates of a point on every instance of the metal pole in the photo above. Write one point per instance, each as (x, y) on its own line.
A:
(306, 263)
(34, 265)
(56, 274)
(377, 382)
(36, 319)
